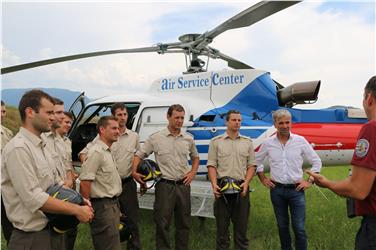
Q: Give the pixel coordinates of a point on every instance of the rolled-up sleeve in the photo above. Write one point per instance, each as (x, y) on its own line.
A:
(212, 155)
(90, 166)
(25, 180)
(312, 157)
(260, 157)
(193, 153)
(251, 158)
(146, 149)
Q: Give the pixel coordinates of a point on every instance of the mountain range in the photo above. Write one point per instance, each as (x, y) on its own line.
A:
(12, 97)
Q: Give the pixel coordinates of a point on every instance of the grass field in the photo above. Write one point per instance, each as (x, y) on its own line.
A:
(326, 224)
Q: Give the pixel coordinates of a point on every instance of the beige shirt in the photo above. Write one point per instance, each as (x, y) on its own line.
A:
(231, 157)
(100, 168)
(67, 158)
(85, 150)
(56, 145)
(6, 136)
(171, 152)
(123, 151)
(25, 176)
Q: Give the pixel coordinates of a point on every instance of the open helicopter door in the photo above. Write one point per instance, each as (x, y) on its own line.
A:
(76, 108)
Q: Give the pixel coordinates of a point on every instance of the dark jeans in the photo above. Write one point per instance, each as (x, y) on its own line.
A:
(284, 199)
(5, 223)
(366, 236)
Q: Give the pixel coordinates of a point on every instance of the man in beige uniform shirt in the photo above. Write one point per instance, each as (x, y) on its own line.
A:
(56, 145)
(70, 236)
(100, 181)
(6, 136)
(171, 148)
(26, 175)
(123, 152)
(231, 155)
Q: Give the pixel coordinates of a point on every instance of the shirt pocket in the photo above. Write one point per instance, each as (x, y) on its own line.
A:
(163, 156)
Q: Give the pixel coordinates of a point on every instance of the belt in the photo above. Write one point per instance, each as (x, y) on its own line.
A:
(126, 179)
(178, 182)
(284, 185)
(112, 199)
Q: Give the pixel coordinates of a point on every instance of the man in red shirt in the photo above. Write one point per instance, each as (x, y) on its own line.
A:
(361, 185)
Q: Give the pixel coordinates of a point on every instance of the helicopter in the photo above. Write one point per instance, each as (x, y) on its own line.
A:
(208, 95)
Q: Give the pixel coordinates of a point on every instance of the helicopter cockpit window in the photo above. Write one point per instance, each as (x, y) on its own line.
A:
(86, 129)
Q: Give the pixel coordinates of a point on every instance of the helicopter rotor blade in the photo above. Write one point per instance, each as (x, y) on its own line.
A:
(245, 18)
(159, 48)
(232, 62)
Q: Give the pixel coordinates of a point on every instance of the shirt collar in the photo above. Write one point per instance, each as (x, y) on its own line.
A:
(37, 141)
(103, 145)
(167, 132)
(225, 135)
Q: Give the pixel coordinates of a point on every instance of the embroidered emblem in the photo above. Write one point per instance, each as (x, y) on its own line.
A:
(361, 148)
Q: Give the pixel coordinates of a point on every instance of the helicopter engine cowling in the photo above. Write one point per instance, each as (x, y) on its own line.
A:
(299, 93)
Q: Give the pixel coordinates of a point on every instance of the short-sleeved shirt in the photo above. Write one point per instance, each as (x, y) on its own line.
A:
(101, 169)
(231, 157)
(365, 156)
(26, 175)
(56, 146)
(6, 136)
(171, 152)
(123, 151)
(67, 158)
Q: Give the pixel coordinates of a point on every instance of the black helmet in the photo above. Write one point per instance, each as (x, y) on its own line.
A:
(61, 223)
(124, 231)
(150, 170)
(229, 185)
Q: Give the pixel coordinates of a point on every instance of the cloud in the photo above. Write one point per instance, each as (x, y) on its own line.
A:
(304, 42)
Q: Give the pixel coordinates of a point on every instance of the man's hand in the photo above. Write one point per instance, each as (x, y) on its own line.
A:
(245, 187)
(68, 183)
(138, 177)
(303, 185)
(143, 189)
(216, 190)
(267, 182)
(87, 203)
(188, 177)
(84, 214)
(319, 179)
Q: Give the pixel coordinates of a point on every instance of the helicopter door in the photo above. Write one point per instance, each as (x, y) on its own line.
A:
(151, 120)
(77, 107)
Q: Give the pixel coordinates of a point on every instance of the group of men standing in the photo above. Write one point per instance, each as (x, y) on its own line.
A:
(39, 156)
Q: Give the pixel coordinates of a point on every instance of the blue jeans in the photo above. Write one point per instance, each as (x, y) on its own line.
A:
(284, 198)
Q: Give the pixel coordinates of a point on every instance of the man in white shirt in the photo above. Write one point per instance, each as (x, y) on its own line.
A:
(284, 152)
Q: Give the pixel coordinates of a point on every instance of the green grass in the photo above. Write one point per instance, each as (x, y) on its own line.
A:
(326, 223)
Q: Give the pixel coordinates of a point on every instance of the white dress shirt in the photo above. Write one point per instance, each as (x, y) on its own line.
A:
(286, 161)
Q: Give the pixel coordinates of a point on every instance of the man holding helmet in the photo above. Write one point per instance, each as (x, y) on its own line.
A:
(171, 148)
(231, 166)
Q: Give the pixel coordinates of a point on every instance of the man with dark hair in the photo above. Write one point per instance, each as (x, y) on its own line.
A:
(100, 181)
(57, 146)
(361, 185)
(123, 151)
(66, 153)
(171, 148)
(6, 136)
(231, 155)
(26, 173)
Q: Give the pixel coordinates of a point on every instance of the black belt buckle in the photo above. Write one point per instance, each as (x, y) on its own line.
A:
(172, 182)
(284, 185)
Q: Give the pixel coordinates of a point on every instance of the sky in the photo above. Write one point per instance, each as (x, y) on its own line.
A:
(314, 40)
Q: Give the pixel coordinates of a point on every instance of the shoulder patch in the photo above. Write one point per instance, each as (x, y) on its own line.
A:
(361, 148)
